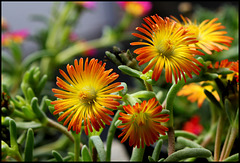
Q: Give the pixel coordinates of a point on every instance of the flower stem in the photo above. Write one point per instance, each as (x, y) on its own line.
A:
(170, 99)
(148, 86)
(76, 145)
(61, 128)
(110, 135)
(225, 144)
(218, 138)
(79, 47)
(169, 106)
(171, 141)
(209, 136)
(232, 138)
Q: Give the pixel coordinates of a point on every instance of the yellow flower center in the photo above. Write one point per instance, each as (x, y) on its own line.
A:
(87, 95)
(165, 48)
(140, 118)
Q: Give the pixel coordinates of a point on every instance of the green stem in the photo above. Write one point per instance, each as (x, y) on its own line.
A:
(213, 113)
(110, 136)
(218, 138)
(137, 154)
(56, 28)
(61, 143)
(76, 145)
(79, 47)
(170, 99)
(208, 137)
(169, 106)
(148, 86)
(61, 128)
(232, 138)
(225, 144)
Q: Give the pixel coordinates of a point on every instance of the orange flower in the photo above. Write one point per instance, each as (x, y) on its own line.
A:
(86, 96)
(195, 92)
(208, 34)
(226, 64)
(166, 47)
(223, 64)
(142, 123)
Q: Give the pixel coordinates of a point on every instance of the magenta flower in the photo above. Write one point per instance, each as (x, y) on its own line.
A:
(16, 36)
(86, 4)
(136, 8)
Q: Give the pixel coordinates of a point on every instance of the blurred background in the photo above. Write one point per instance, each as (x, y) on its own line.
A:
(19, 15)
(23, 15)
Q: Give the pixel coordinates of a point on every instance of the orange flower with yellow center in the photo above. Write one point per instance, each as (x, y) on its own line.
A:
(208, 34)
(86, 96)
(195, 92)
(166, 47)
(142, 123)
(227, 64)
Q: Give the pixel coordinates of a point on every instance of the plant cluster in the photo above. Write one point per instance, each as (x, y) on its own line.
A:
(185, 74)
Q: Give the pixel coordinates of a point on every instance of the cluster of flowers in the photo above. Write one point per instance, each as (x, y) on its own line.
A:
(88, 94)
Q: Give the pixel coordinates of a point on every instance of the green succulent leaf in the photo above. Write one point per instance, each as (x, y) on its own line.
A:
(188, 153)
(157, 150)
(129, 71)
(98, 144)
(85, 154)
(28, 151)
(57, 156)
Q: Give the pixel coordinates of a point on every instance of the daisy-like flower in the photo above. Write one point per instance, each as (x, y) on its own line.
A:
(195, 92)
(166, 47)
(142, 123)
(136, 8)
(208, 34)
(16, 36)
(223, 64)
(86, 96)
(226, 64)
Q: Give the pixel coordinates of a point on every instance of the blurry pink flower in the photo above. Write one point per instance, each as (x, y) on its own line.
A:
(90, 51)
(136, 8)
(86, 4)
(73, 37)
(193, 125)
(16, 36)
